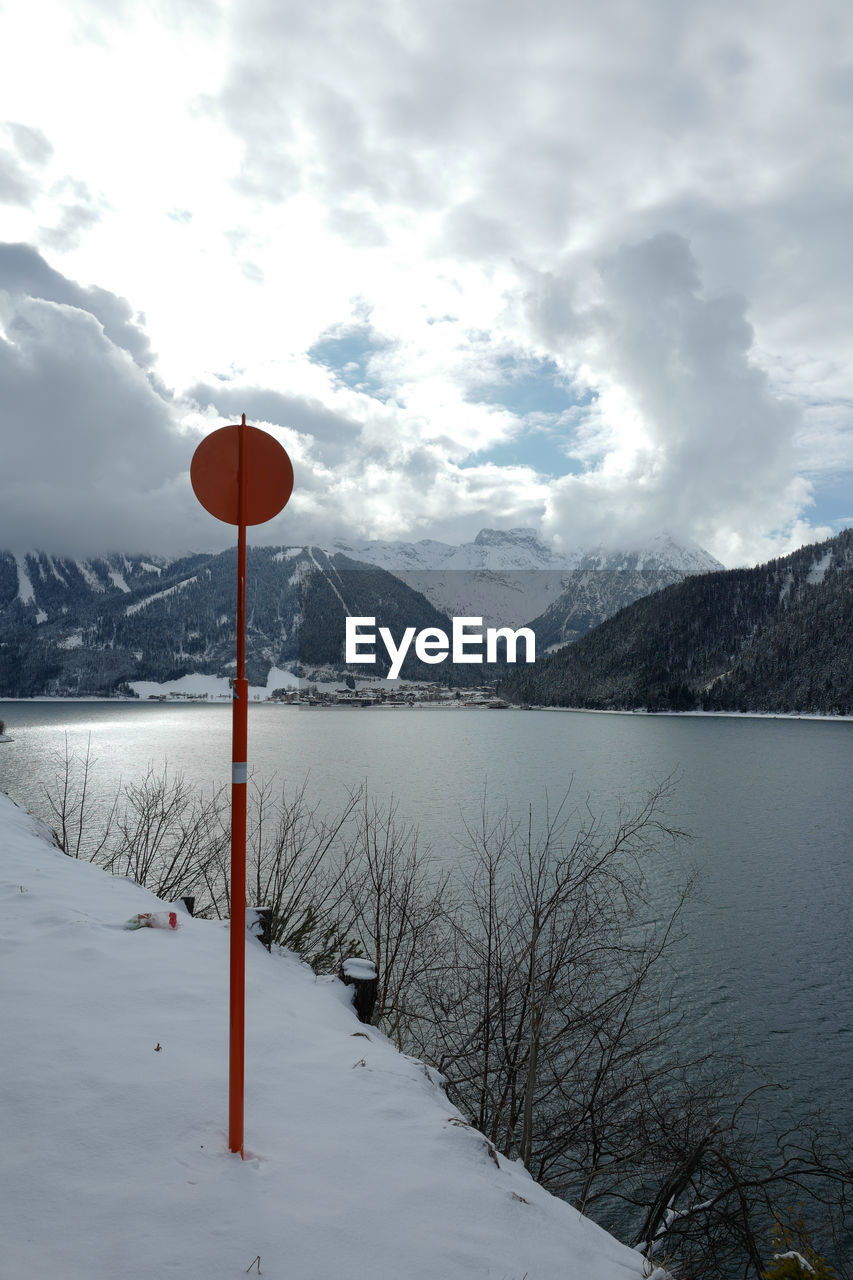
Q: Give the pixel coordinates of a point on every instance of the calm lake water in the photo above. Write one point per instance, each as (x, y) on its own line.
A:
(768, 958)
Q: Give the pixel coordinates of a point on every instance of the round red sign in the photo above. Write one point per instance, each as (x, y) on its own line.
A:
(214, 473)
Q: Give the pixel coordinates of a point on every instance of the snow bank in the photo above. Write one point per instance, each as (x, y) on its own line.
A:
(195, 685)
(114, 1091)
(213, 687)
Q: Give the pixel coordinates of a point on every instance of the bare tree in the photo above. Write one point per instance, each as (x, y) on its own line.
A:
(399, 896)
(717, 1205)
(298, 865)
(81, 824)
(544, 985)
(168, 835)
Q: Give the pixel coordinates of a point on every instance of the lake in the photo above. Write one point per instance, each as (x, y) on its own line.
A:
(767, 959)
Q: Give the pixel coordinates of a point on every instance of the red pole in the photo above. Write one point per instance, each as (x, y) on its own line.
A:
(238, 824)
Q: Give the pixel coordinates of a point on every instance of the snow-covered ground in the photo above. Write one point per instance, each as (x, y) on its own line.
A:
(113, 1091)
(218, 687)
(214, 687)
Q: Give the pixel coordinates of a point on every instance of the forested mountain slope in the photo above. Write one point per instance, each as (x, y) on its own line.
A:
(81, 627)
(75, 632)
(777, 638)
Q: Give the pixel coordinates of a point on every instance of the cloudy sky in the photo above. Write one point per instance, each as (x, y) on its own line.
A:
(579, 267)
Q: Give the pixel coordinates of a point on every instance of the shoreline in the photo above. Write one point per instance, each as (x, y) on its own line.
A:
(709, 715)
(225, 700)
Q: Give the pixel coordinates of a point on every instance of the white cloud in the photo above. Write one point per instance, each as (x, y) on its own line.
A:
(685, 422)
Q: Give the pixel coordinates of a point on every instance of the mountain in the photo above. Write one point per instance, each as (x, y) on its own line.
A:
(521, 549)
(494, 549)
(588, 596)
(54, 583)
(509, 577)
(71, 628)
(76, 627)
(777, 638)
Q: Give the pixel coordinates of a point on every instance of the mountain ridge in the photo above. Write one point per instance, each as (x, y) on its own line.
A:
(776, 638)
(72, 627)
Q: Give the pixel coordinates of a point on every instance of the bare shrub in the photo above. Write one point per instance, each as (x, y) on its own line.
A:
(719, 1195)
(546, 969)
(547, 1005)
(399, 898)
(298, 865)
(167, 835)
(81, 824)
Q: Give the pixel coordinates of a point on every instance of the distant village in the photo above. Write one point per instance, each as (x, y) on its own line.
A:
(402, 695)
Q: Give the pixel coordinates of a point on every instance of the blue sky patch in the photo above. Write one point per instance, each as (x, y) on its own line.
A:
(538, 391)
(833, 500)
(529, 386)
(542, 448)
(346, 353)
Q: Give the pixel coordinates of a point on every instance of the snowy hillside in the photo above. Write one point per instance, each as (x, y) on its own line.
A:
(36, 578)
(114, 1092)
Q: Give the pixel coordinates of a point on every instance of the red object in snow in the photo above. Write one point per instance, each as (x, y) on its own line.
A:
(153, 920)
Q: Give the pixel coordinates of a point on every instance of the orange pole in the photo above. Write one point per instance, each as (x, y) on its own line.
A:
(239, 744)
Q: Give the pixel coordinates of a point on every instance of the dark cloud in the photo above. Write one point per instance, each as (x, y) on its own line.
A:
(91, 458)
(310, 417)
(24, 273)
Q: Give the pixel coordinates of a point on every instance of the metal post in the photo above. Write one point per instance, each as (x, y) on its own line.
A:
(212, 474)
(238, 825)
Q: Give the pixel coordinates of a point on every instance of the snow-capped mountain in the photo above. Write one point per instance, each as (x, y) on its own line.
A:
(56, 582)
(63, 632)
(521, 549)
(661, 553)
(509, 576)
(494, 549)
